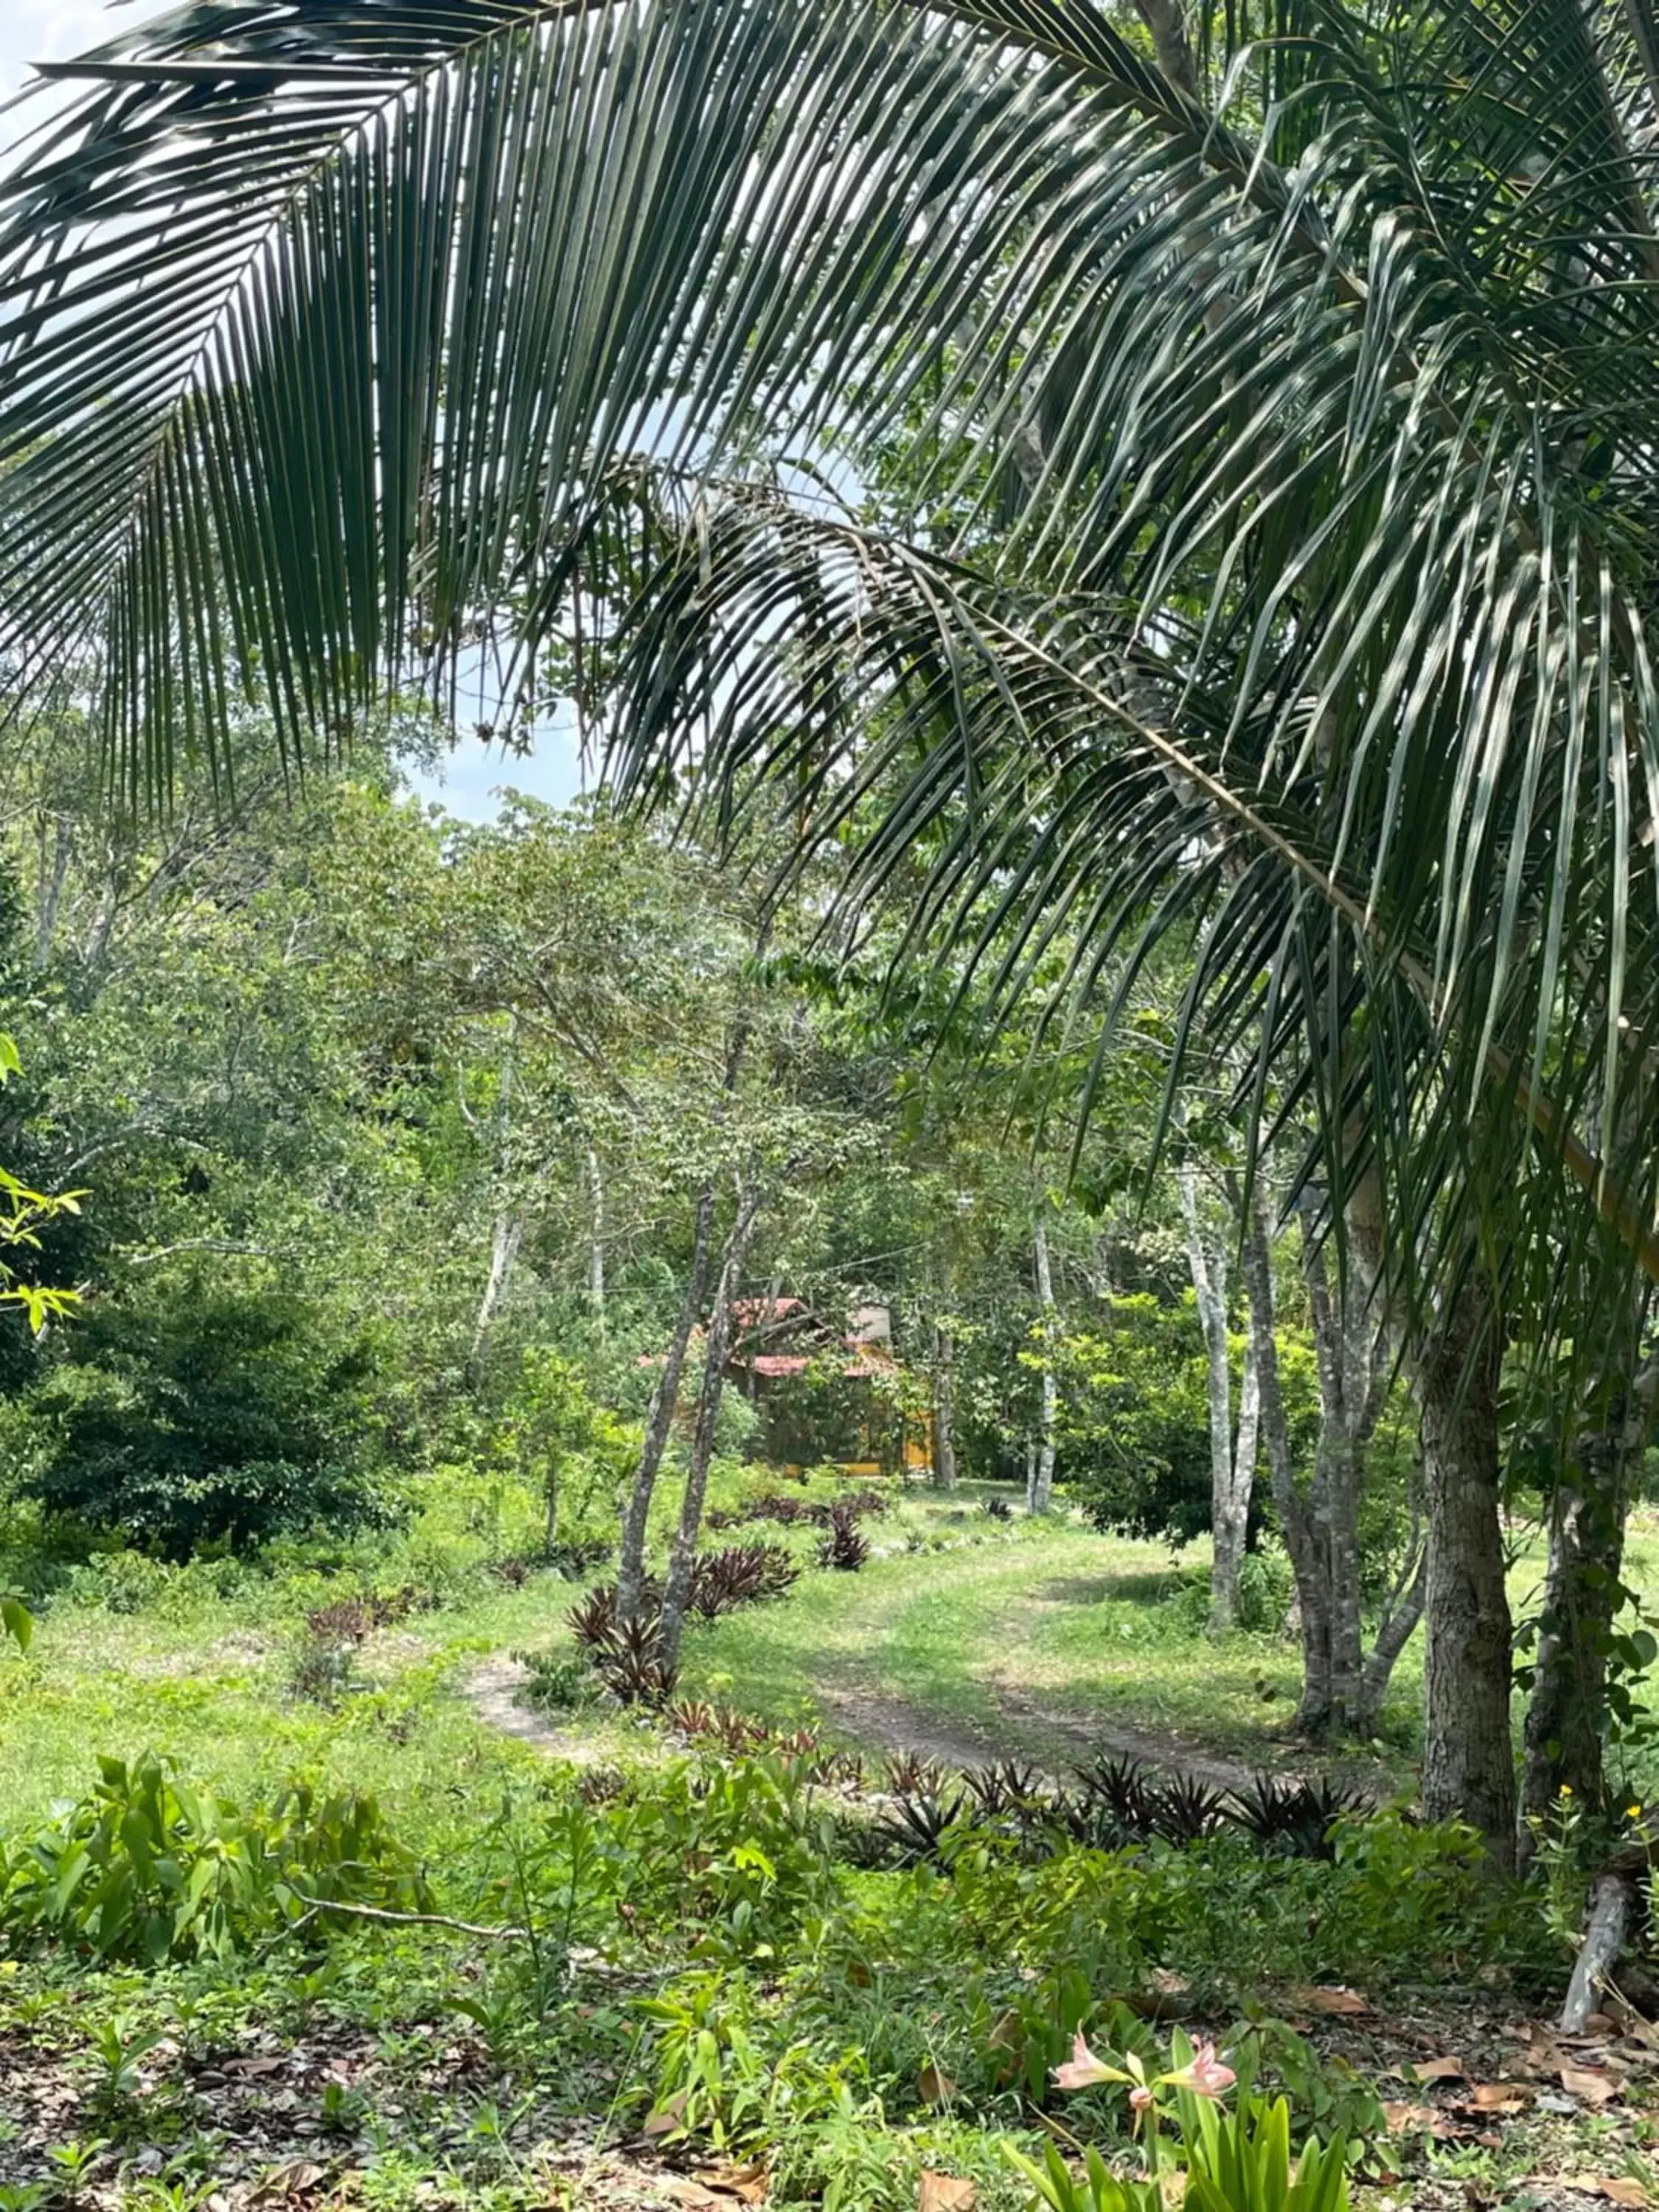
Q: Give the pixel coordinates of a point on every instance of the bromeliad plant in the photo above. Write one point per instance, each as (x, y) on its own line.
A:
(1236, 2161)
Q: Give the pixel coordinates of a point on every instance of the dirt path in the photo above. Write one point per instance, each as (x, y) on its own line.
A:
(847, 1661)
(493, 1693)
(1046, 1740)
(882, 1724)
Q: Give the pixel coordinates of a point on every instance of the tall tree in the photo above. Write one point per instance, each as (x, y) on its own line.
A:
(1335, 636)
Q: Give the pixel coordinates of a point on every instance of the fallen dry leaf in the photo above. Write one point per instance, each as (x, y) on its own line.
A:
(1615, 2189)
(1335, 2002)
(943, 2193)
(935, 2089)
(748, 2185)
(666, 2118)
(1591, 2088)
(1498, 2097)
(245, 2067)
(1438, 2069)
(1406, 2119)
(691, 2194)
(1170, 1984)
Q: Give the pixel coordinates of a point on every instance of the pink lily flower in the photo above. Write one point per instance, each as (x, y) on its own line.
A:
(1083, 2068)
(1206, 2076)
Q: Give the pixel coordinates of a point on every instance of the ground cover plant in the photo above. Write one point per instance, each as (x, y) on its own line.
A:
(695, 1952)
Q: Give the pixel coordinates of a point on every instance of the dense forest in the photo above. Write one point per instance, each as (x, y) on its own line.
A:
(911, 1462)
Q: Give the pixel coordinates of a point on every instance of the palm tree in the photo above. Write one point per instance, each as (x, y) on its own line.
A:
(1256, 432)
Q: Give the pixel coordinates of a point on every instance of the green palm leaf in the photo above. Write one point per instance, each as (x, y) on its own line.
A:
(1299, 457)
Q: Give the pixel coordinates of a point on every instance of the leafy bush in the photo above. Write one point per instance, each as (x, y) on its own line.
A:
(217, 1418)
(128, 1582)
(146, 1869)
(845, 1547)
(557, 1681)
(741, 1574)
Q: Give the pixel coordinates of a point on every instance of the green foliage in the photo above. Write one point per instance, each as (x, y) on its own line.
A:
(1098, 2190)
(559, 1681)
(146, 1869)
(216, 1418)
(1135, 1436)
(555, 1437)
(1229, 2157)
(1241, 2160)
(23, 1213)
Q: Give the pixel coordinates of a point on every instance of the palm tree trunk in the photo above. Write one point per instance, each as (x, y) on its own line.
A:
(1584, 1584)
(683, 1556)
(1468, 1760)
(1581, 1590)
(660, 1421)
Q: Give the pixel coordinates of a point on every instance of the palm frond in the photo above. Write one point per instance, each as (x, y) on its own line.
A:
(1298, 460)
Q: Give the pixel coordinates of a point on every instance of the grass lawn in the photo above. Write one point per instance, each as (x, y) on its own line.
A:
(401, 2070)
(1025, 1639)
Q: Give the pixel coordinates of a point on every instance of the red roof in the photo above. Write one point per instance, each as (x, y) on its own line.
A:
(748, 1312)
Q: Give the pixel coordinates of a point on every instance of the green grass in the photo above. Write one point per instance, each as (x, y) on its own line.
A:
(1023, 1636)
(1010, 1637)
(1026, 1637)
(212, 1694)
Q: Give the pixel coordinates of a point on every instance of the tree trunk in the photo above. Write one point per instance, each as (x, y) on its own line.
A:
(596, 1244)
(1295, 1522)
(1232, 1462)
(1582, 1589)
(945, 1443)
(1469, 1761)
(506, 1236)
(1392, 1635)
(683, 1556)
(660, 1420)
(49, 890)
(1039, 1488)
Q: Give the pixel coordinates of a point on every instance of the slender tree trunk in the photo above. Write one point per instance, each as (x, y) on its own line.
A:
(1295, 1521)
(1230, 1478)
(596, 1243)
(660, 1420)
(508, 1232)
(1394, 1633)
(49, 893)
(1469, 1761)
(506, 1237)
(944, 1442)
(1039, 1488)
(683, 1556)
(1584, 1588)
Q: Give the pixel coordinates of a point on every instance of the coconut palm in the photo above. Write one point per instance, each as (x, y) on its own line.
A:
(1253, 426)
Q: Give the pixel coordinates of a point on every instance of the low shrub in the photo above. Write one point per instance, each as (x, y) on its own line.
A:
(127, 1581)
(844, 1547)
(741, 1574)
(557, 1681)
(147, 1869)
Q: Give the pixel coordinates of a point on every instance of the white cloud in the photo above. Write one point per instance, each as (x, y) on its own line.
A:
(52, 30)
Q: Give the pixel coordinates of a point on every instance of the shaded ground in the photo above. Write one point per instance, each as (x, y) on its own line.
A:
(1048, 1740)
